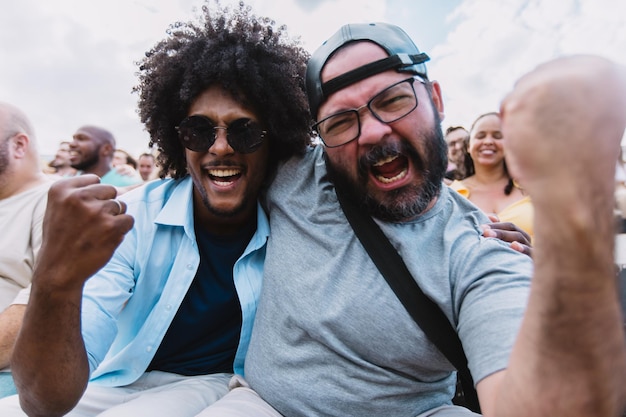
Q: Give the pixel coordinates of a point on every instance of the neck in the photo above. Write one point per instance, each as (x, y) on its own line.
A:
(99, 169)
(65, 170)
(490, 174)
(223, 224)
(11, 187)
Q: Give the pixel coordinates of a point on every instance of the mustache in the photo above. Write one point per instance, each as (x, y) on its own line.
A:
(390, 149)
(222, 164)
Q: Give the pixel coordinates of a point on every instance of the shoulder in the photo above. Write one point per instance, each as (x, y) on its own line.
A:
(460, 187)
(114, 178)
(155, 190)
(300, 169)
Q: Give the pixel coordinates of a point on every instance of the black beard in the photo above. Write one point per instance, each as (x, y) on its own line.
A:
(85, 164)
(407, 202)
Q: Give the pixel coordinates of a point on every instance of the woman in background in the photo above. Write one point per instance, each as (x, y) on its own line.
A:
(488, 183)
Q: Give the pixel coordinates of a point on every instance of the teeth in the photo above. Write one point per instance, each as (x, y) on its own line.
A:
(386, 180)
(385, 160)
(223, 183)
(224, 172)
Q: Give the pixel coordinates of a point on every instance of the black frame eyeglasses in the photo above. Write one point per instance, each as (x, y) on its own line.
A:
(198, 133)
(387, 106)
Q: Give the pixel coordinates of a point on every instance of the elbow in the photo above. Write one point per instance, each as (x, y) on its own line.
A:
(47, 398)
(38, 408)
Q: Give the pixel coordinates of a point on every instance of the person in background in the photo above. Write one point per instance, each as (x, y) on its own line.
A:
(23, 195)
(146, 165)
(125, 164)
(121, 157)
(620, 185)
(456, 138)
(91, 152)
(167, 321)
(331, 337)
(61, 163)
(488, 183)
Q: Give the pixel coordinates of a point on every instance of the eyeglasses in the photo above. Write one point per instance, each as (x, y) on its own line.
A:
(389, 105)
(198, 133)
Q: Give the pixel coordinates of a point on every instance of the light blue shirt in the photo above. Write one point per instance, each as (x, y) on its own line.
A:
(130, 303)
(118, 180)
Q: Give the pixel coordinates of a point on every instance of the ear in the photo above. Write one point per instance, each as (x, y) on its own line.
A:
(19, 144)
(437, 98)
(106, 150)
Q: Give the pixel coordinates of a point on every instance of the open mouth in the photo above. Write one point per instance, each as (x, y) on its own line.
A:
(390, 169)
(224, 177)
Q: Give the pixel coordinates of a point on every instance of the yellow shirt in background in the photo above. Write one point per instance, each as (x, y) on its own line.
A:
(520, 213)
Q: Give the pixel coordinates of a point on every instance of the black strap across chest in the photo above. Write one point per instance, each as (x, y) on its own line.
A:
(422, 309)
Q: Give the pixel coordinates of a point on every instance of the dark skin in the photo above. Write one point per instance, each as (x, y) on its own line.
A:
(508, 232)
(92, 150)
(78, 203)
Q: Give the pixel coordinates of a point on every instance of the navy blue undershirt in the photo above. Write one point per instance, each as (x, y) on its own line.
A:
(204, 335)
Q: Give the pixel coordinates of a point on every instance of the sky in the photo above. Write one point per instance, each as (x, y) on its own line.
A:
(68, 63)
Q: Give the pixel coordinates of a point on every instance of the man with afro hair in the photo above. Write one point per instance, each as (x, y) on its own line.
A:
(167, 320)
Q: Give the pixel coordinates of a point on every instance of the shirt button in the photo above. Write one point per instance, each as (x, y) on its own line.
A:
(189, 266)
(149, 349)
(168, 307)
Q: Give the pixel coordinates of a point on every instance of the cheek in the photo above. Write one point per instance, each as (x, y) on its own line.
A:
(258, 163)
(193, 161)
(471, 147)
(344, 157)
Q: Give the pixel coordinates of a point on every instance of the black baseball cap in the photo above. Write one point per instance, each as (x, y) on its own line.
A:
(403, 56)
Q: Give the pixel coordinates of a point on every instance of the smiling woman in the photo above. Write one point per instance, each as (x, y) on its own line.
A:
(489, 185)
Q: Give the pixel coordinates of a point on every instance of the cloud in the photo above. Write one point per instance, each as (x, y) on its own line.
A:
(72, 62)
(494, 43)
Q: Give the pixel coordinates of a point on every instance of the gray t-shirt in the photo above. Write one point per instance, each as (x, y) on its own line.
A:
(330, 336)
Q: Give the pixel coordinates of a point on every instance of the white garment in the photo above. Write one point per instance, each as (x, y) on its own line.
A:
(154, 394)
(21, 217)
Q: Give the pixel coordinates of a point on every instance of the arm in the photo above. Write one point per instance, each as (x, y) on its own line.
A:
(81, 230)
(10, 322)
(563, 122)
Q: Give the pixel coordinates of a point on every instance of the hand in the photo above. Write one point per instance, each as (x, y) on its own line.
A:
(508, 232)
(563, 122)
(82, 227)
(126, 170)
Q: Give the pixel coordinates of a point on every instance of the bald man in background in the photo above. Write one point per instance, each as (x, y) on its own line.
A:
(91, 152)
(23, 197)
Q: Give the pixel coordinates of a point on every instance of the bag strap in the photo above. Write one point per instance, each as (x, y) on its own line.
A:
(422, 309)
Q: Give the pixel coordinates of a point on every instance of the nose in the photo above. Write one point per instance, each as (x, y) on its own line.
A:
(221, 145)
(372, 129)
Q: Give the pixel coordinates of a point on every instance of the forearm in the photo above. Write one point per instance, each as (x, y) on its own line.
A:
(10, 322)
(571, 343)
(49, 364)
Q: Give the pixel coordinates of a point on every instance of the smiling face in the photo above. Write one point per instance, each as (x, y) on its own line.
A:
(396, 168)
(486, 145)
(119, 158)
(226, 183)
(87, 148)
(62, 157)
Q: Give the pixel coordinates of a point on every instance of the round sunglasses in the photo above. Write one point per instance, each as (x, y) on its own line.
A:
(198, 133)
